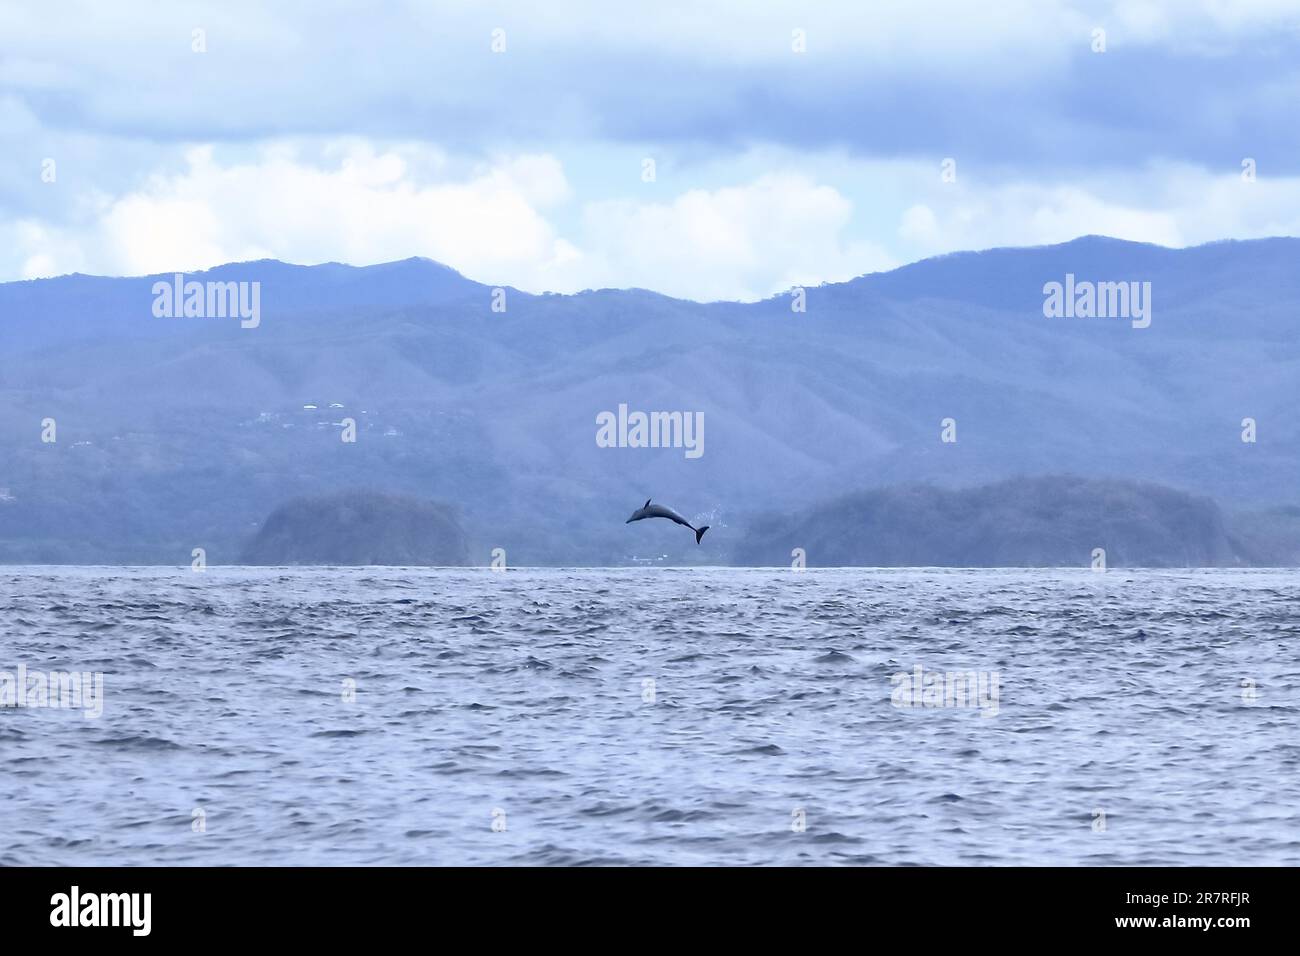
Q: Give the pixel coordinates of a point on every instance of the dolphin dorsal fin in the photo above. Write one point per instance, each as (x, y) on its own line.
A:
(647, 503)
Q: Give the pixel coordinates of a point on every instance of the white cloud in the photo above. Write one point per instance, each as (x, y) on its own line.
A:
(309, 162)
(739, 242)
(500, 222)
(579, 67)
(362, 205)
(1163, 204)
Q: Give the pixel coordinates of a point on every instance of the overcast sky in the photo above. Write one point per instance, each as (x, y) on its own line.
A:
(366, 132)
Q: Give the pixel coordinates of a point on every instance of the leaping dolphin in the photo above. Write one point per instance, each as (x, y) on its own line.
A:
(648, 510)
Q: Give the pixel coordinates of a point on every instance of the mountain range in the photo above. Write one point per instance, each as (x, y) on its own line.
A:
(176, 433)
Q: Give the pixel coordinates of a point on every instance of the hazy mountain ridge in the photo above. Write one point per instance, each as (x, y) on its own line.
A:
(1050, 521)
(182, 433)
(354, 528)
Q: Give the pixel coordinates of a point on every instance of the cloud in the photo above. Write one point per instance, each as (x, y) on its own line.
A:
(352, 202)
(1167, 204)
(891, 78)
(333, 131)
(738, 242)
(517, 220)
(355, 204)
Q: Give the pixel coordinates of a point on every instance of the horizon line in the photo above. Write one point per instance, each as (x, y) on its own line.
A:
(1097, 237)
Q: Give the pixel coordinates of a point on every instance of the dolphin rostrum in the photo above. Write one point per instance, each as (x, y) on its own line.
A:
(648, 510)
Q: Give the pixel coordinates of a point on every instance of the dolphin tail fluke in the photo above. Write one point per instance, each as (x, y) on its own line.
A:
(699, 533)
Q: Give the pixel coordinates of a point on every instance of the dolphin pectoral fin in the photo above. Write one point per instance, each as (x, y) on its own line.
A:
(699, 533)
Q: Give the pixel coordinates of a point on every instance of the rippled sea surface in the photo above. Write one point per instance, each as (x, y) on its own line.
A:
(653, 716)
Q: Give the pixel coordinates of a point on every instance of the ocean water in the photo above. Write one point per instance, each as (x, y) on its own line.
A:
(654, 716)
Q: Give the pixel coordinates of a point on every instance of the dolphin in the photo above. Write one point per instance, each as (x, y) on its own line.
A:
(648, 510)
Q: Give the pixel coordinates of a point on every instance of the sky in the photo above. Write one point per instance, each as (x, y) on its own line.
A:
(699, 148)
